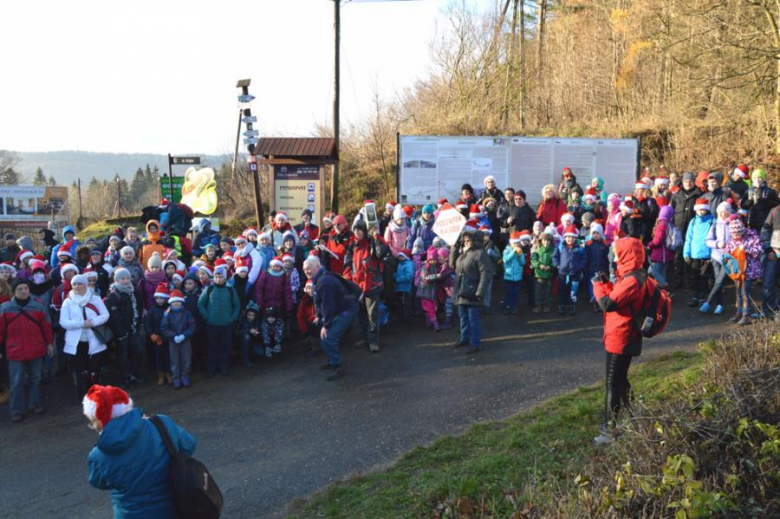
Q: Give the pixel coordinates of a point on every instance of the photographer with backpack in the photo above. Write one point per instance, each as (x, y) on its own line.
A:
(620, 303)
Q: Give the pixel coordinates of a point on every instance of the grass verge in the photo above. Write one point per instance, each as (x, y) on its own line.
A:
(506, 468)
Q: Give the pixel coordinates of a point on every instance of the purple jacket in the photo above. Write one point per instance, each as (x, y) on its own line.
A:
(274, 292)
(719, 232)
(147, 286)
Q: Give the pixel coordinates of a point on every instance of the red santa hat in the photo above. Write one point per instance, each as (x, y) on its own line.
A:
(64, 249)
(485, 229)
(162, 291)
(164, 202)
(525, 235)
(661, 181)
(589, 197)
(68, 267)
(642, 185)
(240, 240)
(571, 231)
(591, 191)
(406, 253)
(280, 217)
(207, 269)
(702, 204)
(277, 261)
(242, 265)
(627, 205)
(460, 205)
(442, 202)
(741, 170)
(328, 218)
(474, 211)
(391, 205)
(180, 275)
(24, 254)
(36, 265)
(287, 256)
(229, 257)
(102, 403)
(647, 180)
(471, 225)
(175, 296)
(408, 211)
(169, 262)
(220, 262)
(567, 171)
(7, 266)
(514, 238)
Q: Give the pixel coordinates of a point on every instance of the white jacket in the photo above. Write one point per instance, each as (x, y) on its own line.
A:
(72, 320)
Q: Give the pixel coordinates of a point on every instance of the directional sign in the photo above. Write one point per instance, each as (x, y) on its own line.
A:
(246, 98)
(185, 160)
(249, 141)
(249, 120)
(251, 133)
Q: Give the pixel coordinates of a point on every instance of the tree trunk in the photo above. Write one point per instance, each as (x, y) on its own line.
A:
(509, 69)
(540, 31)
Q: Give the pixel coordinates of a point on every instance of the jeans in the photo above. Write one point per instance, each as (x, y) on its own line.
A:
(219, 347)
(511, 294)
(24, 377)
(368, 318)
(658, 271)
(181, 358)
(770, 277)
(543, 295)
(488, 292)
(330, 344)
(250, 344)
(130, 351)
(470, 330)
(743, 295)
(716, 294)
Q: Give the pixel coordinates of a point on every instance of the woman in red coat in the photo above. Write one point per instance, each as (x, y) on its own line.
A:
(551, 208)
(622, 338)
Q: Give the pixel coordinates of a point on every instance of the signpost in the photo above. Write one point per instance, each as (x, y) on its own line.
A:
(250, 141)
(172, 185)
(297, 187)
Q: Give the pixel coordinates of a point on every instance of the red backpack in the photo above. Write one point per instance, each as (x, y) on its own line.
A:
(656, 308)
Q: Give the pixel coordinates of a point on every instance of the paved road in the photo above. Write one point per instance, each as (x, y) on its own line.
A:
(278, 432)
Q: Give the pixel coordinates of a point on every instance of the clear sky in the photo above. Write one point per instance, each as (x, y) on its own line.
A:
(159, 76)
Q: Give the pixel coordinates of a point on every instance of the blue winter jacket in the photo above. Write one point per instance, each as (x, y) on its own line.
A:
(696, 238)
(569, 261)
(422, 230)
(596, 256)
(178, 322)
(130, 459)
(513, 264)
(76, 244)
(404, 274)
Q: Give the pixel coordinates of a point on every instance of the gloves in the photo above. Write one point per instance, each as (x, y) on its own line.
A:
(178, 339)
(156, 339)
(573, 296)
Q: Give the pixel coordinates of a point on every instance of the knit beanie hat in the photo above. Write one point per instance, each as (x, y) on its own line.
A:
(80, 279)
(418, 245)
(155, 261)
(398, 213)
(597, 228)
(106, 402)
(689, 175)
(736, 226)
(428, 208)
(121, 273)
(724, 207)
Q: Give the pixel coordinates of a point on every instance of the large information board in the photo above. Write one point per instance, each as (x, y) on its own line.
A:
(435, 167)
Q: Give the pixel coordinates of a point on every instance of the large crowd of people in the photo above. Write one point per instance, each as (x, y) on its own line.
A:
(162, 304)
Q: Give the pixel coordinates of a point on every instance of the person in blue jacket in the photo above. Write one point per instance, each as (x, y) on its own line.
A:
(130, 458)
(68, 239)
(423, 228)
(404, 275)
(514, 261)
(696, 253)
(569, 259)
(596, 259)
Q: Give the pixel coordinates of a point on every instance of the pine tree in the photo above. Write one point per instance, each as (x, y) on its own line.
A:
(10, 177)
(51, 181)
(39, 179)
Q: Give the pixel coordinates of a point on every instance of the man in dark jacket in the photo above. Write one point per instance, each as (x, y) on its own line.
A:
(737, 183)
(761, 199)
(335, 310)
(125, 310)
(683, 201)
(715, 192)
(622, 337)
(10, 250)
(25, 330)
(47, 238)
(492, 191)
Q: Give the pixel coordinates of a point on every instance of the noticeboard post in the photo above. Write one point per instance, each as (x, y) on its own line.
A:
(33, 206)
(297, 187)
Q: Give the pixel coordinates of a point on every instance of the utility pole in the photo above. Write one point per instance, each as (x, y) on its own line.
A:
(334, 183)
(235, 155)
(250, 142)
(78, 223)
(119, 211)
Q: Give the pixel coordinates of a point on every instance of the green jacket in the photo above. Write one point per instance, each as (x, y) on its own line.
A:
(219, 305)
(543, 256)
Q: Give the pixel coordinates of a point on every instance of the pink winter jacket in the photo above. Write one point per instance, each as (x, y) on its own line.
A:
(395, 237)
(658, 251)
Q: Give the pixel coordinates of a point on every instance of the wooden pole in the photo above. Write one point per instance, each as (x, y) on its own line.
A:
(334, 183)
(235, 155)
(78, 223)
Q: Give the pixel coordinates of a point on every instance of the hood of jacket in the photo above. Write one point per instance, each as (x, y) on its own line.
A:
(666, 213)
(153, 236)
(476, 240)
(630, 255)
(67, 229)
(600, 184)
(26, 243)
(120, 433)
(48, 237)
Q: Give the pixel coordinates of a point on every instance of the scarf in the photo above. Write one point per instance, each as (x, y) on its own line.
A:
(276, 274)
(243, 253)
(80, 300)
(124, 289)
(395, 227)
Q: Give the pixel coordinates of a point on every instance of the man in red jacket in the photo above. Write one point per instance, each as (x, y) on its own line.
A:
(620, 302)
(340, 240)
(25, 331)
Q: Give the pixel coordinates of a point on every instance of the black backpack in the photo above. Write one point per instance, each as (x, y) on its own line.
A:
(351, 289)
(179, 220)
(195, 492)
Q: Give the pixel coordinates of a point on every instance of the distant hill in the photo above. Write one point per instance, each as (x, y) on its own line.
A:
(68, 166)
